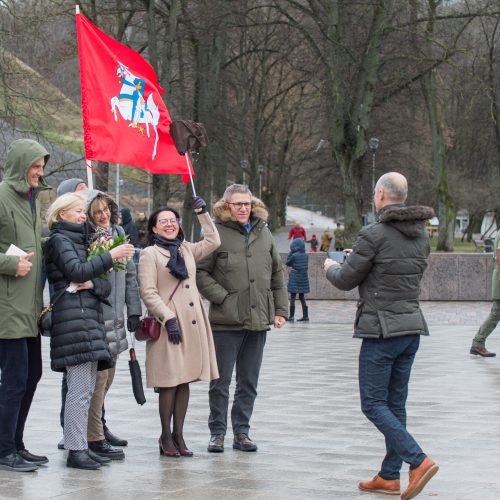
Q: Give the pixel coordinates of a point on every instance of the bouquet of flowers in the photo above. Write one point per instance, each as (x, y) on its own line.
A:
(103, 242)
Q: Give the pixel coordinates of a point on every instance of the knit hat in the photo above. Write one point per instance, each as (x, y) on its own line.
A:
(69, 186)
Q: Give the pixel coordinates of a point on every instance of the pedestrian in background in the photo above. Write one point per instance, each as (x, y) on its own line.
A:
(20, 298)
(387, 264)
(326, 240)
(314, 243)
(298, 280)
(297, 231)
(185, 351)
(142, 227)
(479, 342)
(243, 280)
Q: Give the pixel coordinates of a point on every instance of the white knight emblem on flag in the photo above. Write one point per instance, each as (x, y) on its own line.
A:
(132, 105)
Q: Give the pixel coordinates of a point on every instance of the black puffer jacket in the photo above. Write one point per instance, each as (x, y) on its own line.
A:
(77, 334)
(387, 263)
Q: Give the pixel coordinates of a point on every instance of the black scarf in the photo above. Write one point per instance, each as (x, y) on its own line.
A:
(176, 263)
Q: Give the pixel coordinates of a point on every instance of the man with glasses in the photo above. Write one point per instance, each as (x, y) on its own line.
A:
(244, 282)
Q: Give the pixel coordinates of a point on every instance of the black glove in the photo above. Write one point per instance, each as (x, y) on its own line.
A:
(173, 330)
(199, 205)
(133, 323)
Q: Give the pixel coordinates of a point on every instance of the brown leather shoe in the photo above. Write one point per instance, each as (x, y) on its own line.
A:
(380, 485)
(482, 351)
(243, 443)
(419, 477)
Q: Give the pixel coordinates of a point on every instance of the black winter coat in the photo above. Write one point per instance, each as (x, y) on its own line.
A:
(77, 334)
(298, 260)
(387, 264)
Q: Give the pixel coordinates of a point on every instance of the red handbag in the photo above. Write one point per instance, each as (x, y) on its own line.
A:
(149, 329)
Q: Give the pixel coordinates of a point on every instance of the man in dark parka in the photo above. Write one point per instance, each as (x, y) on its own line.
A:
(20, 298)
(387, 263)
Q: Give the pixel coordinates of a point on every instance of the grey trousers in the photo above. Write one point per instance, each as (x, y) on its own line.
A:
(489, 325)
(81, 382)
(245, 349)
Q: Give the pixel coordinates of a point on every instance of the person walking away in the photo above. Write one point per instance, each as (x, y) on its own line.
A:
(185, 351)
(244, 282)
(387, 264)
(478, 346)
(339, 237)
(20, 298)
(297, 231)
(78, 342)
(102, 212)
(298, 280)
(326, 239)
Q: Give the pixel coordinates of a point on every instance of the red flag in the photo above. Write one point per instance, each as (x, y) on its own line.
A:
(124, 118)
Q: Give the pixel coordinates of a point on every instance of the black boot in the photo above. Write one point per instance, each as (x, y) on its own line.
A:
(79, 459)
(292, 314)
(305, 314)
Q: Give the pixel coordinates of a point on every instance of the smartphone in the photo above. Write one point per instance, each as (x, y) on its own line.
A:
(337, 256)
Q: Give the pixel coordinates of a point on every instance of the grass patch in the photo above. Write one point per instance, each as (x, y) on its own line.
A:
(458, 246)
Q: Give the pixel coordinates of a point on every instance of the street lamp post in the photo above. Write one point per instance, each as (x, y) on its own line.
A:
(373, 143)
(244, 164)
(260, 168)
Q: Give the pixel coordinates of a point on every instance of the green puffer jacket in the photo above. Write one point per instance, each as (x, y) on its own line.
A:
(243, 279)
(387, 264)
(21, 297)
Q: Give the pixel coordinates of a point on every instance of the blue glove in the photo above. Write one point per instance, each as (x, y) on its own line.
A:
(173, 330)
(199, 205)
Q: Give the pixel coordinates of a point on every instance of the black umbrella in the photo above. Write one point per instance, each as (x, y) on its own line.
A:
(135, 373)
(188, 136)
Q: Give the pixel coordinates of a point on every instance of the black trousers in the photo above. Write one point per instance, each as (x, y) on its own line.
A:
(21, 369)
(245, 349)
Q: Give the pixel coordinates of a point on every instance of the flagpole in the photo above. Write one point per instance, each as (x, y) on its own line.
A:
(90, 180)
(190, 172)
(150, 180)
(118, 184)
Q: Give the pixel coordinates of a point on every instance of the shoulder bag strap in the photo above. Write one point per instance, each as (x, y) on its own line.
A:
(173, 293)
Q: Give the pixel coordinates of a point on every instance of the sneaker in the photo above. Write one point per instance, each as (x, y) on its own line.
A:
(419, 477)
(380, 485)
(482, 351)
(15, 462)
(216, 444)
(243, 443)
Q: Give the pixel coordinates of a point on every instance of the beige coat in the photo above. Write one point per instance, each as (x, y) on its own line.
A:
(168, 364)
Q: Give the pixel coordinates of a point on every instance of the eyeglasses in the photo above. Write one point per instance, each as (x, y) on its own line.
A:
(164, 222)
(104, 211)
(241, 204)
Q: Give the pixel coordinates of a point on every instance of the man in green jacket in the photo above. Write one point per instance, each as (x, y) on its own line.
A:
(479, 342)
(243, 280)
(20, 298)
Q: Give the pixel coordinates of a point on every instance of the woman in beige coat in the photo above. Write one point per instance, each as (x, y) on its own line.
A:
(185, 350)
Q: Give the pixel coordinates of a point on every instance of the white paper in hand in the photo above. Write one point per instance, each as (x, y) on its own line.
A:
(72, 288)
(13, 250)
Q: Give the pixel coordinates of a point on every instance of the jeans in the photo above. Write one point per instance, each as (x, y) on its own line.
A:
(488, 326)
(246, 349)
(384, 373)
(21, 369)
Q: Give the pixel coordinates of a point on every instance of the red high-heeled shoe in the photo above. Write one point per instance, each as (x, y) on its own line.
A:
(167, 453)
(184, 452)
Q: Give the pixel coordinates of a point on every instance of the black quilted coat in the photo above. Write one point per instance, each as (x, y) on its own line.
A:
(77, 334)
(387, 264)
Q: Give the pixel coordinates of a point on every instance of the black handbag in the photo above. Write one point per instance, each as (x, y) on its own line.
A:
(44, 319)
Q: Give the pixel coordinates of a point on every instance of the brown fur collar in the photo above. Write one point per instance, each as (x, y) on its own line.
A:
(222, 211)
(403, 213)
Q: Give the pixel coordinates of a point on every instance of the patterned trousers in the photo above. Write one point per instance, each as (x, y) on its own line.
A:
(81, 382)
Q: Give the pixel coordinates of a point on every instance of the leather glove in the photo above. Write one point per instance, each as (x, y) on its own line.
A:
(199, 205)
(133, 323)
(173, 330)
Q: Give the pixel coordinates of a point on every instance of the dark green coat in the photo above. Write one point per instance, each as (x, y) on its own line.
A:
(21, 297)
(387, 264)
(243, 279)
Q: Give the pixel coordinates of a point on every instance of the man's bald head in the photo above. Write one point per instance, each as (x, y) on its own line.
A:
(391, 188)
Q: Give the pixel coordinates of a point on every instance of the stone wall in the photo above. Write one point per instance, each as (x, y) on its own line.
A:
(449, 276)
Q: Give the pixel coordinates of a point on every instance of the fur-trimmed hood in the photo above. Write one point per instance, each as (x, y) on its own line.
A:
(408, 220)
(222, 212)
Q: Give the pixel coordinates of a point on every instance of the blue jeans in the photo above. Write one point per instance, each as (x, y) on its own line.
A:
(384, 373)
